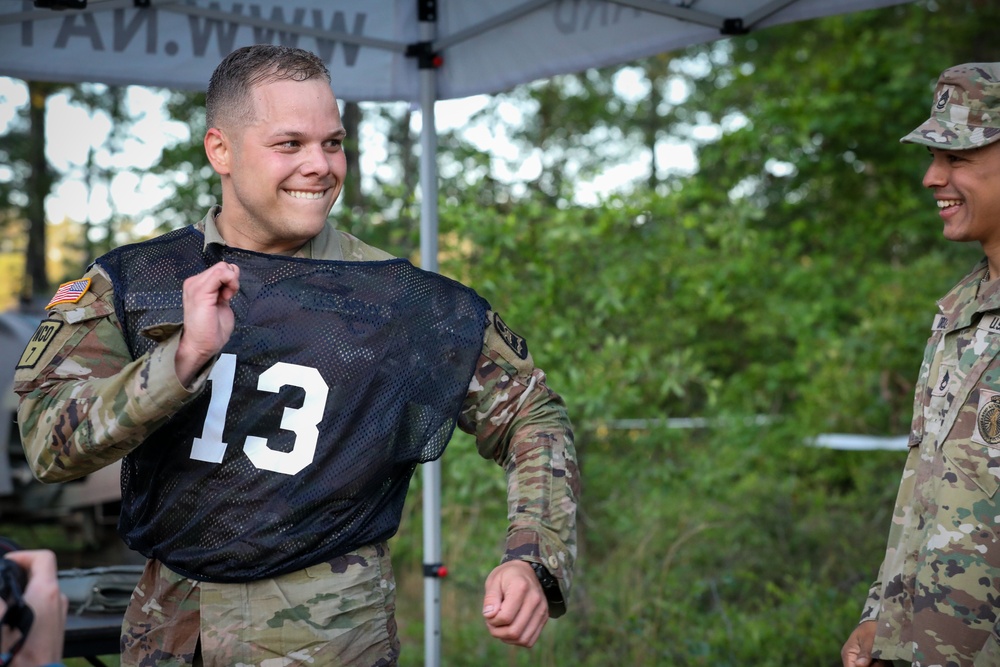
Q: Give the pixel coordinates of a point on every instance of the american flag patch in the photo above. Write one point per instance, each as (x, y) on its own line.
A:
(70, 292)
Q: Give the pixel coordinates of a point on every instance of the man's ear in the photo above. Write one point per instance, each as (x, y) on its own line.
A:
(218, 150)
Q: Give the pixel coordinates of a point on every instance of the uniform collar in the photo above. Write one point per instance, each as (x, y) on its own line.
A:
(325, 245)
(969, 297)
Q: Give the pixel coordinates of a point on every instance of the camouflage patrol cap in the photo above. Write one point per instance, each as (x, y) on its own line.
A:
(966, 109)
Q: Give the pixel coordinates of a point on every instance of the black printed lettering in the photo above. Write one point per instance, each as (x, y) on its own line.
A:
(123, 33)
(572, 16)
(338, 24)
(88, 28)
(27, 27)
(225, 31)
(285, 38)
(138, 28)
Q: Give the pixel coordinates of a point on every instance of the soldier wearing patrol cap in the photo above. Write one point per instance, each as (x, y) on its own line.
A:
(936, 600)
(270, 383)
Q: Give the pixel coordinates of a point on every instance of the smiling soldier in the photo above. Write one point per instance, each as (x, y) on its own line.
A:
(937, 597)
(270, 384)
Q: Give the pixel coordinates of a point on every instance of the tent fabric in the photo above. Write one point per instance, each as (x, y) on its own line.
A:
(486, 46)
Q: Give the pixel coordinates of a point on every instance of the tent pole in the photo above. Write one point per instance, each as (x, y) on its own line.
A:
(429, 261)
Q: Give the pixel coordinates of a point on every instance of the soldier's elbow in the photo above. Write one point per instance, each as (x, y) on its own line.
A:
(45, 466)
(47, 474)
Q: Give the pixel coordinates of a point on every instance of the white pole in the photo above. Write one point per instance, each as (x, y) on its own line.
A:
(429, 262)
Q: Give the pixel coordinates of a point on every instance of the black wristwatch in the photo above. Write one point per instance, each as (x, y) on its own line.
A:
(557, 605)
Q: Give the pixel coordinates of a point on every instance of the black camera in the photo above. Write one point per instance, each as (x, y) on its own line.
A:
(13, 580)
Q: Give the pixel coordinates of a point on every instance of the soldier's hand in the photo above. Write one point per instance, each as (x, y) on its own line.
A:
(514, 606)
(857, 650)
(208, 319)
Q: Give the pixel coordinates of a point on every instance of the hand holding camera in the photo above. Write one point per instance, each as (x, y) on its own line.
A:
(32, 608)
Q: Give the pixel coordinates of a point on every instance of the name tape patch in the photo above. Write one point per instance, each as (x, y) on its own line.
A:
(990, 323)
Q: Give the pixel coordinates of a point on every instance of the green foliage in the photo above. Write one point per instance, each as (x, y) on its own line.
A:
(730, 545)
(793, 276)
(195, 184)
(14, 155)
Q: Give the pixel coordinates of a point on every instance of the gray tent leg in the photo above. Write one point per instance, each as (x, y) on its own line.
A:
(429, 262)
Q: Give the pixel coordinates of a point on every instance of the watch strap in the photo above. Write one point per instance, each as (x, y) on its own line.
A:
(550, 586)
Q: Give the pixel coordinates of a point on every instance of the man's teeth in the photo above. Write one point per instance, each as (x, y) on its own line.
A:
(299, 194)
(945, 203)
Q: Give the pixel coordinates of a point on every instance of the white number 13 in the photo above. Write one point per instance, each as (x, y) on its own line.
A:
(302, 421)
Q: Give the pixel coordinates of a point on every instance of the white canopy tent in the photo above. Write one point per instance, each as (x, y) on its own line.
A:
(378, 50)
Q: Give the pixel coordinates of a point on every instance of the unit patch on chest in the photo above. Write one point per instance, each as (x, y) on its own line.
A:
(988, 419)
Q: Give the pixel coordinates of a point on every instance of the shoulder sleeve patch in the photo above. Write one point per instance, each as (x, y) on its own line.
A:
(70, 292)
(502, 344)
(43, 336)
(516, 343)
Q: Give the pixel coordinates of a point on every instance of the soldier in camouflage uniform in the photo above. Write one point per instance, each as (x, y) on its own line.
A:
(94, 391)
(937, 597)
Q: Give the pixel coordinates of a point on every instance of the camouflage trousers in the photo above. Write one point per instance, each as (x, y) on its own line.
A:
(335, 613)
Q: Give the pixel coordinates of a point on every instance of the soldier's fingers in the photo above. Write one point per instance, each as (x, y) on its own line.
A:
(532, 629)
(230, 277)
(521, 617)
(511, 599)
(213, 280)
(524, 630)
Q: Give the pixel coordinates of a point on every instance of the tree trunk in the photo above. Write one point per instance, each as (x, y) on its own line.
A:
(36, 282)
(352, 184)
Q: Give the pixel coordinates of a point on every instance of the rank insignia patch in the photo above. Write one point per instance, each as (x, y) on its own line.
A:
(942, 100)
(514, 342)
(70, 292)
(39, 342)
(945, 378)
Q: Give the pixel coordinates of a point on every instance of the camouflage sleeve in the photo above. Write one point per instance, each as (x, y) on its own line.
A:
(891, 570)
(873, 605)
(522, 425)
(84, 403)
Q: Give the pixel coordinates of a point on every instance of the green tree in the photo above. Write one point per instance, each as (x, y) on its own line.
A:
(819, 108)
(30, 177)
(185, 166)
(100, 167)
(29, 181)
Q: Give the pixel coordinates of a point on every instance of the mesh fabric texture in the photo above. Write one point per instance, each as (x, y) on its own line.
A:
(370, 360)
